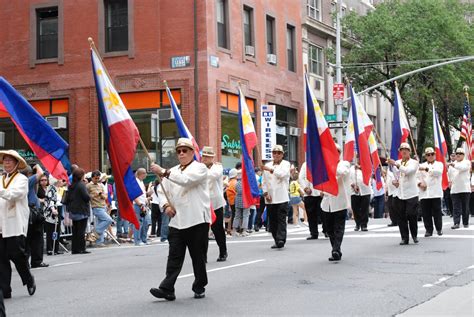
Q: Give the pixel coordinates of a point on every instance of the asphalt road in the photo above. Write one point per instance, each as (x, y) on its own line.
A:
(376, 277)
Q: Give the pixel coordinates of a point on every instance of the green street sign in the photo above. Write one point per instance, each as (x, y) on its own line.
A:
(330, 117)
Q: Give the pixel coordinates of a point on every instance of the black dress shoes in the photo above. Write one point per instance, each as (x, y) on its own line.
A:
(42, 264)
(356, 228)
(440, 233)
(199, 296)
(159, 293)
(415, 240)
(428, 234)
(274, 246)
(312, 238)
(455, 226)
(404, 242)
(335, 256)
(31, 286)
(222, 257)
(280, 244)
(7, 295)
(391, 225)
(364, 229)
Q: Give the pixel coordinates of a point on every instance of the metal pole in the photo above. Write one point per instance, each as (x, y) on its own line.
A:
(339, 103)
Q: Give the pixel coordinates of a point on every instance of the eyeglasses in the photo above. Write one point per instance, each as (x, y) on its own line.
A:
(277, 152)
(179, 151)
(459, 153)
(430, 154)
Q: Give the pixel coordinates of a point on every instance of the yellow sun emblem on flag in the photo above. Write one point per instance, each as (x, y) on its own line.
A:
(112, 99)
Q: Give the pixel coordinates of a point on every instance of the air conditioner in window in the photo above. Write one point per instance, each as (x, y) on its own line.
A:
(57, 122)
(165, 114)
(271, 59)
(249, 50)
(295, 131)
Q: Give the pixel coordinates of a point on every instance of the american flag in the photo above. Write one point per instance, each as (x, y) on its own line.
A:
(466, 128)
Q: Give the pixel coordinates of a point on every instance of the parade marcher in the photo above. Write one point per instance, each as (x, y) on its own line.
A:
(431, 192)
(14, 218)
(392, 193)
(360, 198)
(460, 178)
(2, 305)
(275, 185)
(471, 201)
(378, 199)
(408, 194)
(188, 206)
(335, 208)
(216, 192)
(52, 223)
(155, 211)
(99, 207)
(79, 210)
(141, 211)
(312, 202)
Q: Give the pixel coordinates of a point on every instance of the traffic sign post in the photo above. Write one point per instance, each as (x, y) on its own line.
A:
(330, 117)
(338, 91)
(337, 124)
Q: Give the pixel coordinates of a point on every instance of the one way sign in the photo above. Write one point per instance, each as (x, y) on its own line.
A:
(337, 124)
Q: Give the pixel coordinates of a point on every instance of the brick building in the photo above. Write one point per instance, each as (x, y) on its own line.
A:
(204, 49)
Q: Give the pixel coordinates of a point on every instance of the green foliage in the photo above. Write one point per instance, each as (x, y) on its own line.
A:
(415, 30)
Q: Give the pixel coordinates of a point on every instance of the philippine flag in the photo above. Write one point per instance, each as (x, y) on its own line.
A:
(441, 148)
(121, 138)
(321, 152)
(358, 131)
(248, 141)
(374, 154)
(400, 126)
(48, 146)
(182, 128)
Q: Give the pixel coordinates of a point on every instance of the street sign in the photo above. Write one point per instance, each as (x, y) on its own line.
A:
(330, 117)
(337, 124)
(338, 91)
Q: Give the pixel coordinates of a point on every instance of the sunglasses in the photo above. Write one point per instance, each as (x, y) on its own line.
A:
(429, 154)
(277, 152)
(179, 151)
(459, 153)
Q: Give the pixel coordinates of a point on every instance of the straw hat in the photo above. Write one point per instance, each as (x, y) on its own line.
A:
(208, 151)
(184, 142)
(460, 150)
(429, 150)
(278, 148)
(404, 146)
(21, 162)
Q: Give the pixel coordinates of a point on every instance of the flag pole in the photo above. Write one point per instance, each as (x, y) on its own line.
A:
(94, 48)
(411, 135)
(257, 149)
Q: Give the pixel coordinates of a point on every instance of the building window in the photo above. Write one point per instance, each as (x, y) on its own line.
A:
(315, 60)
(290, 47)
(248, 26)
(47, 33)
(222, 24)
(270, 35)
(116, 25)
(314, 9)
(333, 14)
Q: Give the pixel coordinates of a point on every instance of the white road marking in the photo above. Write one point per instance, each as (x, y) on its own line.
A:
(224, 268)
(64, 264)
(448, 277)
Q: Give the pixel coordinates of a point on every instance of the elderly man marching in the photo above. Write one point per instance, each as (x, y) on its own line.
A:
(312, 204)
(216, 191)
(187, 203)
(335, 208)
(431, 192)
(275, 185)
(360, 198)
(14, 215)
(459, 176)
(407, 195)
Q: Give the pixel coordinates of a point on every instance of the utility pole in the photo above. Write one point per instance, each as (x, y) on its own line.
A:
(338, 69)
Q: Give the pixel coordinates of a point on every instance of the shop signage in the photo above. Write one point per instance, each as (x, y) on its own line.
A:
(29, 156)
(231, 145)
(180, 61)
(268, 130)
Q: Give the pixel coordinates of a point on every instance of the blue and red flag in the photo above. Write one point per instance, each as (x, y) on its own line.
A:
(48, 146)
(248, 141)
(400, 126)
(374, 154)
(441, 149)
(182, 128)
(358, 132)
(322, 156)
(121, 138)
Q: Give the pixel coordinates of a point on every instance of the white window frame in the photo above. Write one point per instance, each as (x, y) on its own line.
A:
(314, 9)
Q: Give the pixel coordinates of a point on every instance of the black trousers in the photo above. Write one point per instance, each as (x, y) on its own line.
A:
(35, 243)
(196, 240)
(2, 306)
(431, 209)
(360, 208)
(392, 209)
(218, 229)
(78, 235)
(335, 226)
(50, 229)
(278, 213)
(312, 204)
(471, 204)
(461, 208)
(448, 201)
(258, 219)
(155, 220)
(408, 217)
(13, 249)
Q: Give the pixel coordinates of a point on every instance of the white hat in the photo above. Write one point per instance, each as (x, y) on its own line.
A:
(21, 161)
(404, 146)
(429, 150)
(460, 150)
(208, 151)
(232, 173)
(184, 142)
(278, 148)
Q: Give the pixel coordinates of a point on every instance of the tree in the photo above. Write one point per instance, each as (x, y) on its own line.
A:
(414, 30)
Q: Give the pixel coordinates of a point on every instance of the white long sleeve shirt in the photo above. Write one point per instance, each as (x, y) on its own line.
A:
(432, 179)
(408, 187)
(357, 179)
(305, 183)
(459, 176)
(188, 193)
(14, 210)
(391, 189)
(216, 185)
(332, 203)
(276, 184)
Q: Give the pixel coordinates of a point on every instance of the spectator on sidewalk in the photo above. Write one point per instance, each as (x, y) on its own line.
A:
(99, 207)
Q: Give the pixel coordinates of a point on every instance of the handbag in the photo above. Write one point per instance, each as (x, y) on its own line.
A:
(36, 215)
(64, 198)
